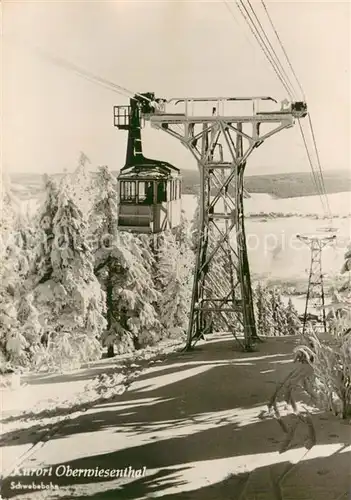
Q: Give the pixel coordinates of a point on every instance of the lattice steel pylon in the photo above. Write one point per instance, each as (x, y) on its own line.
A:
(221, 133)
(315, 298)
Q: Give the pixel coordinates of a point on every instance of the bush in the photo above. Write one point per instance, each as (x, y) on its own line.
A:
(330, 359)
(65, 352)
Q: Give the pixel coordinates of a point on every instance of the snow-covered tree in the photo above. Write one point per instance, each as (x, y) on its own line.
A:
(134, 321)
(342, 300)
(346, 268)
(263, 310)
(79, 185)
(293, 324)
(339, 309)
(124, 265)
(9, 208)
(14, 266)
(103, 215)
(270, 312)
(175, 265)
(278, 313)
(195, 225)
(42, 268)
(103, 231)
(69, 295)
(183, 233)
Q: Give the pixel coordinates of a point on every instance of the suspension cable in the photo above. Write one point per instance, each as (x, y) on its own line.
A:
(314, 176)
(265, 50)
(283, 49)
(226, 3)
(61, 62)
(318, 181)
(287, 79)
(321, 184)
(242, 8)
(319, 165)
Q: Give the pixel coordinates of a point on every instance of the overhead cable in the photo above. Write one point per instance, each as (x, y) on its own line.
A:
(321, 184)
(63, 63)
(226, 3)
(287, 79)
(253, 28)
(283, 49)
(59, 61)
(314, 177)
(319, 164)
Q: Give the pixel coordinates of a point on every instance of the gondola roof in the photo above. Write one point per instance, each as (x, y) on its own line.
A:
(149, 169)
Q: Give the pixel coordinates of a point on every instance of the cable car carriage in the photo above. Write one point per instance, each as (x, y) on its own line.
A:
(149, 197)
(149, 190)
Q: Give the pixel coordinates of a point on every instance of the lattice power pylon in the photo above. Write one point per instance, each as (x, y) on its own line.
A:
(315, 291)
(221, 133)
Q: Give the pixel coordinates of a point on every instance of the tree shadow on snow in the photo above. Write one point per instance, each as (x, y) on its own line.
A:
(184, 394)
(176, 416)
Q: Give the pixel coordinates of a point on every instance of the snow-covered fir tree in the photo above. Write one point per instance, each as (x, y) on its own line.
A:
(278, 313)
(103, 231)
(339, 310)
(175, 264)
(25, 331)
(42, 268)
(271, 313)
(134, 321)
(195, 225)
(11, 343)
(183, 233)
(65, 288)
(124, 265)
(103, 215)
(14, 266)
(263, 310)
(257, 295)
(345, 290)
(293, 324)
(346, 268)
(79, 185)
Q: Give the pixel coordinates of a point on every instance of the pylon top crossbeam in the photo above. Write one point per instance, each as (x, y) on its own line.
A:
(219, 109)
(318, 240)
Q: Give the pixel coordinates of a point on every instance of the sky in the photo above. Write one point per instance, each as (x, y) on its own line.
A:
(173, 48)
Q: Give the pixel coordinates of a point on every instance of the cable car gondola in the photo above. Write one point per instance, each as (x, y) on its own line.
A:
(149, 190)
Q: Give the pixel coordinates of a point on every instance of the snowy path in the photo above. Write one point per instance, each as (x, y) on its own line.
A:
(194, 423)
(35, 409)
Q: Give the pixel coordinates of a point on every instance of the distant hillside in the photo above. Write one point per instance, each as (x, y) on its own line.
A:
(289, 185)
(297, 184)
